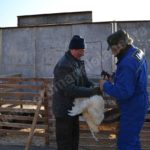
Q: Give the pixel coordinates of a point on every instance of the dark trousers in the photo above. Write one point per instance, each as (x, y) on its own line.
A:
(67, 133)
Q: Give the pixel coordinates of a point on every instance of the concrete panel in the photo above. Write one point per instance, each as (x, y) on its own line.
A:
(97, 57)
(57, 18)
(26, 71)
(140, 32)
(18, 51)
(51, 44)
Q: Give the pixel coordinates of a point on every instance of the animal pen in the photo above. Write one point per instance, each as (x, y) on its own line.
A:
(26, 109)
(38, 43)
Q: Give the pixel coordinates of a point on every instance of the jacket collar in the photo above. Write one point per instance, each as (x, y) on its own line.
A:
(72, 58)
(125, 52)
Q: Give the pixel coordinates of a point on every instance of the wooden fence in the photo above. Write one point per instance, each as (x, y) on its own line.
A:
(24, 107)
(25, 91)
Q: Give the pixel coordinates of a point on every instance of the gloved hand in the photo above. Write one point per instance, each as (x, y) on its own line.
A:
(97, 91)
(106, 76)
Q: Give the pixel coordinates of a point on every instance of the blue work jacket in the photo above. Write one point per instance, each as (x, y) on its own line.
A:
(130, 90)
(130, 84)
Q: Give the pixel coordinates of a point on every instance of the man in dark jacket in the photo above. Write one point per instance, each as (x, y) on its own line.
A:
(70, 82)
(129, 88)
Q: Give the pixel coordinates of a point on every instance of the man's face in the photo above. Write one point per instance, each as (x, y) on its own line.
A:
(78, 53)
(116, 49)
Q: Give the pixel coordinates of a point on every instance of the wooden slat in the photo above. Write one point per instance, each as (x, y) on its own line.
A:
(20, 118)
(11, 75)
(20, 132)
(19, 125)
(18, 102)
(23, 79)
(19, 110)
(21, 86)
(19, 94)
(148, 116)
(146, 125)
(145, 135)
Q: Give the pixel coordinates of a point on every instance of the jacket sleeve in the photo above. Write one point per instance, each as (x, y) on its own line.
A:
(65, 82)
(88, 82)
(124, 85)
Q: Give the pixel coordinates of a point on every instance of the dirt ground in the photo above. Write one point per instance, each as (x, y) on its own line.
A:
(2, 147)
(13, 142)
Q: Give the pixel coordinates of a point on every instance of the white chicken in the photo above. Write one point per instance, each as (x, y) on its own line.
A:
(92, 109)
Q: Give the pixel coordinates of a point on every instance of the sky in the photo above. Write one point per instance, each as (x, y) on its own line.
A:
(102, 10)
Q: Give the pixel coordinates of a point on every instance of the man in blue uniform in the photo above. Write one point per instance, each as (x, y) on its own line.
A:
(129, 87)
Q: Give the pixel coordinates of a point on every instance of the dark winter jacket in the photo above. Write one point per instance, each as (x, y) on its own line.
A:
(70, 81)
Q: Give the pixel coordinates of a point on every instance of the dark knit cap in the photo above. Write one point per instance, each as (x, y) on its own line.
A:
(117, 36)
(76, 42)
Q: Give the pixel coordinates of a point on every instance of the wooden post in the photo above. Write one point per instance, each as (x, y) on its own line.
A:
(46, 107)
(33, 125)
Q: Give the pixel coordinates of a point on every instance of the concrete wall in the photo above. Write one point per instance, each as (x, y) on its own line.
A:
(34, 51)
(57, 18)
(18, 51)
(0, 49)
